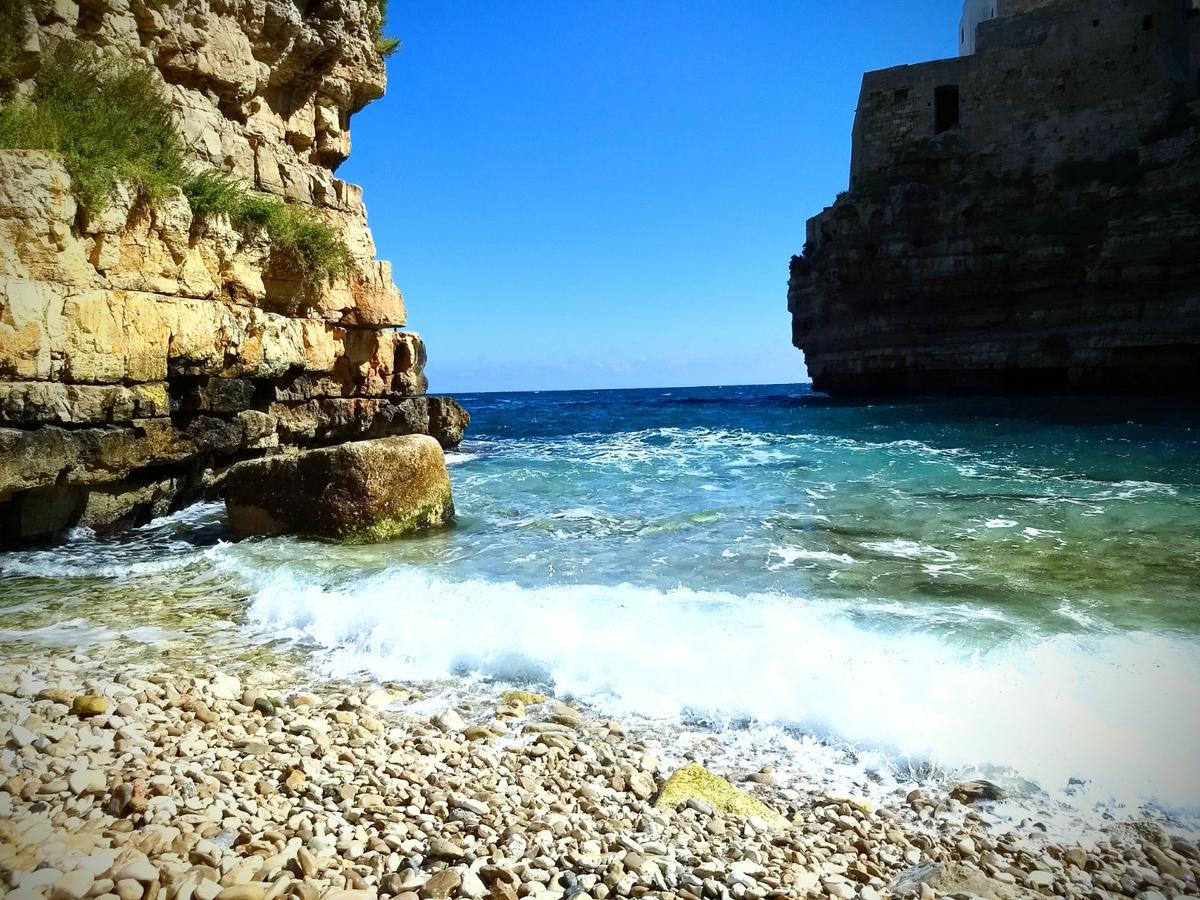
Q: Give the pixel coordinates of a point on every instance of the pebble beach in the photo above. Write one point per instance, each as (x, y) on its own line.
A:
(176, 786)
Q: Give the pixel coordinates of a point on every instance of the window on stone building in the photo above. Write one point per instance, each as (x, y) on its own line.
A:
(945, 107)
(900, 95)
(1147, 23)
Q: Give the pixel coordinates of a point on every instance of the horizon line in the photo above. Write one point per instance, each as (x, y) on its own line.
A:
(664, 387)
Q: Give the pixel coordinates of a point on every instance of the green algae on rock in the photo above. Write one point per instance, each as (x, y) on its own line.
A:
(361, 492)
(696, 782)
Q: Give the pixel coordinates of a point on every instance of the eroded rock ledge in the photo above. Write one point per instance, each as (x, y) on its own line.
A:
(142, 350)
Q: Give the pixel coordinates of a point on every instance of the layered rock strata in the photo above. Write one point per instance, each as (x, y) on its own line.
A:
(1024, 219)
(143, 350)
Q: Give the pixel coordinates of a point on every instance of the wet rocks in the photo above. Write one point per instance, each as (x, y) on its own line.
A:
(362, 492)
(976, 792)
(448, 421)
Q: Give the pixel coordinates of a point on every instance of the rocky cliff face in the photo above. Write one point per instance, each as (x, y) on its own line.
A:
(1022, 220)
(142, 350)
(974, 284)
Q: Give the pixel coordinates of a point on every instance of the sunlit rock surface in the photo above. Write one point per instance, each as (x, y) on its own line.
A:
(142, 352)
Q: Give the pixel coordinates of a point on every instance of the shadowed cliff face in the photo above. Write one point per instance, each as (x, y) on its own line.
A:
(1006, 251)
(143, 348)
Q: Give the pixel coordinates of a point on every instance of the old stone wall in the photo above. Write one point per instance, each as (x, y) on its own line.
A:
(1048, 242)
(142, 350)
(1052, 84)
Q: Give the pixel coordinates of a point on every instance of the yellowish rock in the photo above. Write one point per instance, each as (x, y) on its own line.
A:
(252, 891)
(524, 698)
(87, 705)
(359, 492)
(862, 804)
(514, 710)
(696, 781)
(57, 695)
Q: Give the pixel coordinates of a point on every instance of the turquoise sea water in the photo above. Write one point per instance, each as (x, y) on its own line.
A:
(1010, 587)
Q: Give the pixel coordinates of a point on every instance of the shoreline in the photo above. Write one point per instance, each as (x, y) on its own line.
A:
(217, 789)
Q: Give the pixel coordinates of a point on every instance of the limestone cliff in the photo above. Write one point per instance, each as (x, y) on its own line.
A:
(1023, 219)
(143, 350)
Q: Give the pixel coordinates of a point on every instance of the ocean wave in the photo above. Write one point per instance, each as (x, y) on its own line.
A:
(164, 544)
(1113, 710)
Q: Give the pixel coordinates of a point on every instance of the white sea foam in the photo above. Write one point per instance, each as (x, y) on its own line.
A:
(1117, 710)
(97, 564)
(791, 555)
(904, 549)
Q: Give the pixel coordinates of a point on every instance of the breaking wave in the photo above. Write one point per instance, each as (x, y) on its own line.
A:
(1112, 710)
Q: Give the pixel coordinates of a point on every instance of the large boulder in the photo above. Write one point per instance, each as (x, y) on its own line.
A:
(362, 492)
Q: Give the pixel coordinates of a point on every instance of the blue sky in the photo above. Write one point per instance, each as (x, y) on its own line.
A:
(594, 193)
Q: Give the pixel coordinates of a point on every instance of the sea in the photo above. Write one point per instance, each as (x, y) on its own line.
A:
(874, 595)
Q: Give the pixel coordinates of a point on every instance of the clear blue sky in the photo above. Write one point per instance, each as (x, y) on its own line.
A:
(596, 193)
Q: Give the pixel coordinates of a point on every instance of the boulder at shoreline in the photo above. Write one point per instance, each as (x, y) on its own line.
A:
(361, 492)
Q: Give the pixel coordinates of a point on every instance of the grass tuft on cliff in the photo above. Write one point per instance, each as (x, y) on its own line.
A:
(317, 251)
(110, 123)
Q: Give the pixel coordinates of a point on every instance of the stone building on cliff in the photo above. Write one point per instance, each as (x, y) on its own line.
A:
(142, 350)
(1024, 217)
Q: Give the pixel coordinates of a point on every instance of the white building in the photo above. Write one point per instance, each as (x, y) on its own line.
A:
(974, 12)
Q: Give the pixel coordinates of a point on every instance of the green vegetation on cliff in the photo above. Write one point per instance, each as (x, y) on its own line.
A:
(14, 15)
(111, 124)
(385, 44)
(315, 248)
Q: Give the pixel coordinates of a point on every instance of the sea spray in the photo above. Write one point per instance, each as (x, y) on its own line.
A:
(1105, 715)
